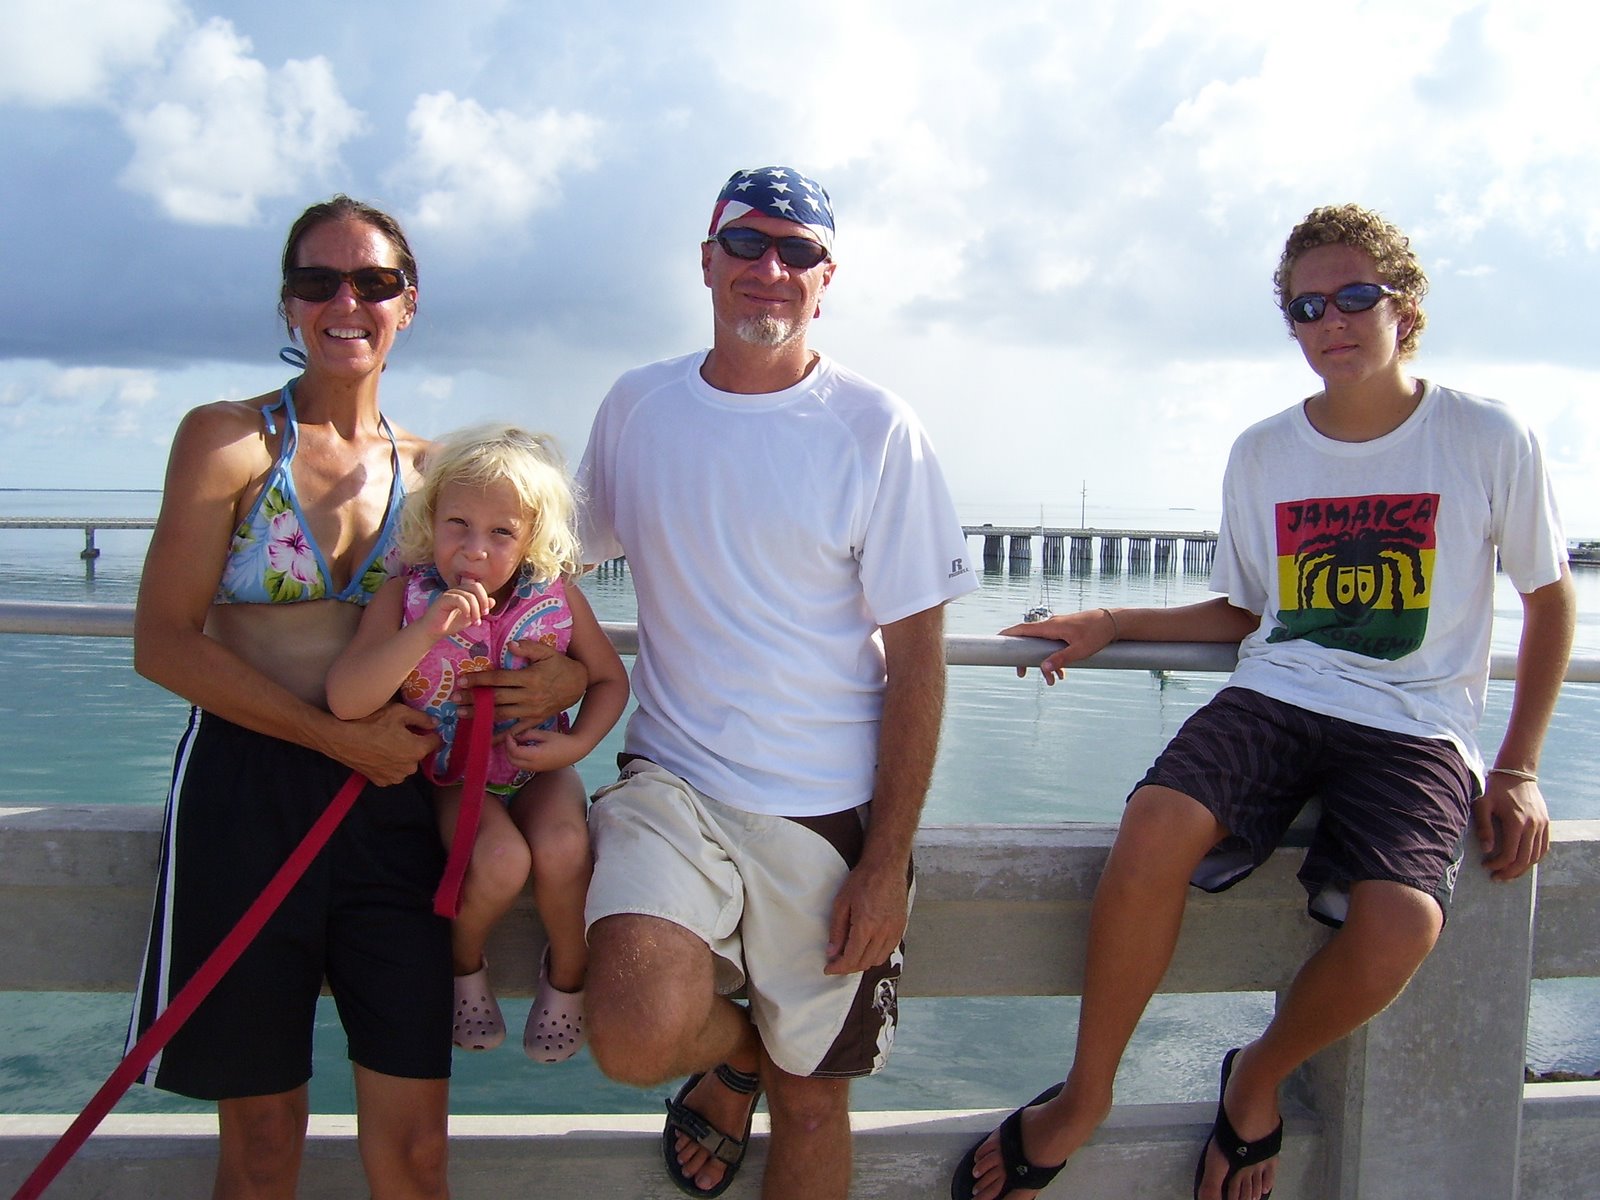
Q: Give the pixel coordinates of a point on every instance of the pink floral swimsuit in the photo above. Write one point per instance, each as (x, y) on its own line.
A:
(537, 611)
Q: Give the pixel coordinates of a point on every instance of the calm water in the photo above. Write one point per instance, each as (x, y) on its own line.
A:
(1013, 751)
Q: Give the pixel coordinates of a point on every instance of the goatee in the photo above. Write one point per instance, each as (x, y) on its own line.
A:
(766, 330)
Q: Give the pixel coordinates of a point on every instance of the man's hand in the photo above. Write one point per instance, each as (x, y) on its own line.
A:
(869, 920)
(1512, 824)
(551, 683)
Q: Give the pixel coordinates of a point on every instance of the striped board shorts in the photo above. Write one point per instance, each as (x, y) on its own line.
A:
(1394, 807)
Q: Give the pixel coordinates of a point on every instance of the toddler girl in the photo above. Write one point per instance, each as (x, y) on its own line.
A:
(490, 548)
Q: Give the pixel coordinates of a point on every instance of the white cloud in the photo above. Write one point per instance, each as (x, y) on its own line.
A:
(478, 168)
(64, 52)
(13, 414)
(218, 132)
(107, 385)
(436, 387)
(1475, 114)
(113, 401)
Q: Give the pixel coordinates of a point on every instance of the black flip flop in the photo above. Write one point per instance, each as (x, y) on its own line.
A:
(1020, 1173)
(1239, 1153)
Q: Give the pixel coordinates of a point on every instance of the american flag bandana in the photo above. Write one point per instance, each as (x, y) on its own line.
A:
(780, 192)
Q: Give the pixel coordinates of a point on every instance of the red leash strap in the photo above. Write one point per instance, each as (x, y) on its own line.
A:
(182, 1006)
(478, 736)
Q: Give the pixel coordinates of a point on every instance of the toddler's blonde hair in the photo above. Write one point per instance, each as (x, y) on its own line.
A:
(487, 454)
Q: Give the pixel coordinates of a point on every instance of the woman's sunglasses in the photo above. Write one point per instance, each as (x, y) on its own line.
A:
(317, 284)
(1351, 298)
(801, 253)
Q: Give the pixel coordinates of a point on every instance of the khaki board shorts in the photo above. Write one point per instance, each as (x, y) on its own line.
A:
(759, 891)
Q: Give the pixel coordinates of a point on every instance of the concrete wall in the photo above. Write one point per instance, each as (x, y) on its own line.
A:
(1428, 1102)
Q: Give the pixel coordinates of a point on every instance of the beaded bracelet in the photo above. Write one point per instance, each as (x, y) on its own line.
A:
(1515, 773)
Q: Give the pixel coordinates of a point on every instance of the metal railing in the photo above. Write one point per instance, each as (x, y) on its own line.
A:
(961, 650)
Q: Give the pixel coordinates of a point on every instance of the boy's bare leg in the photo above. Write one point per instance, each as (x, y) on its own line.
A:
(1356, 974)
(1133, 930)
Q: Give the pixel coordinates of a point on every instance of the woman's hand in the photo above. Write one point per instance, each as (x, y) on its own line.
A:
(386, 746)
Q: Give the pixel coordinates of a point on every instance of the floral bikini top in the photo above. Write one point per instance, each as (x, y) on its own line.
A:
(273, 558)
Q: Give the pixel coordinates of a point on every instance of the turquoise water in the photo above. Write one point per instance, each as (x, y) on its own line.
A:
(1013, 751)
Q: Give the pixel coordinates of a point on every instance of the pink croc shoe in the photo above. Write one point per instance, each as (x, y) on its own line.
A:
(554, 1032)
(478, 1023)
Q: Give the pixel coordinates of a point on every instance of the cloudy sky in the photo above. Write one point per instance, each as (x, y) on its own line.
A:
(1058, 220)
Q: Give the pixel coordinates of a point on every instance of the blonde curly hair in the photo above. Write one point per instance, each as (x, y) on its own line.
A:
(485, 454)
(1367, 231)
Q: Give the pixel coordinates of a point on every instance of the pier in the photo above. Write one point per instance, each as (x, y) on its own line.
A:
(1158, 550)
(89, 525)
(1428, 1102)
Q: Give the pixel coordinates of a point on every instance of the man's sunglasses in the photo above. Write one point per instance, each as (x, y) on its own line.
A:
(1351, 298)
(800, 253)
(317, 284)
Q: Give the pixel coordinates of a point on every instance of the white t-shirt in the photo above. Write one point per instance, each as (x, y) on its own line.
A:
(769, 537)
(1372, 563)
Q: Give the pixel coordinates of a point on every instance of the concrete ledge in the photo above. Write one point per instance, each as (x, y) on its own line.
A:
(1561, 1140)
(1143, 1150)
(995, 906)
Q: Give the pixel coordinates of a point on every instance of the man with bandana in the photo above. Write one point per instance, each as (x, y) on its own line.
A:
(792, 545)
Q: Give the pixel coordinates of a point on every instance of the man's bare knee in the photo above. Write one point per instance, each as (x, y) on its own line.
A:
(648, 993)
(805, 1105)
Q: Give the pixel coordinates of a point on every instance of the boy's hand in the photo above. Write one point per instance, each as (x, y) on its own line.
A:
(1085, 633)
(1512, 824)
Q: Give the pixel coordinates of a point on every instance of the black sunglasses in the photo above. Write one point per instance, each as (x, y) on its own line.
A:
(1351, 298)
(801, 253)
(317, 284)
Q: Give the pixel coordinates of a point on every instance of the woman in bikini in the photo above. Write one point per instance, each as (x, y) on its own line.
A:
(276, 527)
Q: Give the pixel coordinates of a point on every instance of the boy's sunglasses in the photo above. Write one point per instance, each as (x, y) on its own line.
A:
(317, 284)
(801, 253)
(1351, 298)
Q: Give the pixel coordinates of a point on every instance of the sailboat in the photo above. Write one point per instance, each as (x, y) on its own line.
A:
(1040, 612)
